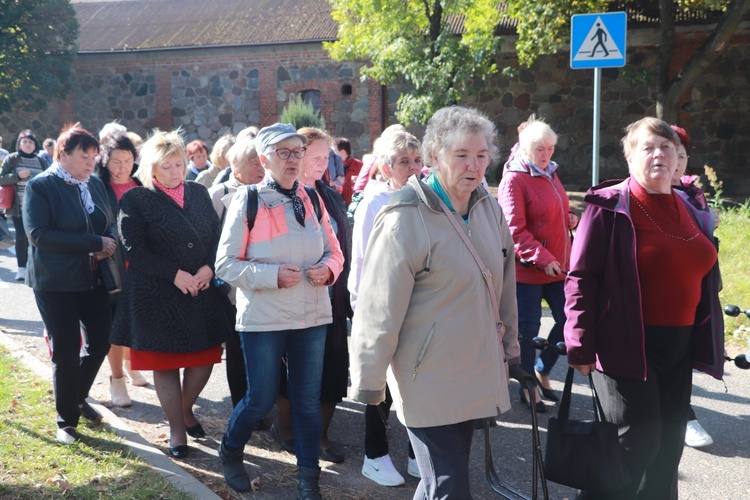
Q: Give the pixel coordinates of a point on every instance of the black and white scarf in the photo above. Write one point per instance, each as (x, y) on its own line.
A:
(299, 208)
(83, 186)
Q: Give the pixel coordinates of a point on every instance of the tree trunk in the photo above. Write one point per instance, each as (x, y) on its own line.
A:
(670, 94)
(666, 51)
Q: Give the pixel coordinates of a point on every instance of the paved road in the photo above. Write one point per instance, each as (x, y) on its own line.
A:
(721, 471)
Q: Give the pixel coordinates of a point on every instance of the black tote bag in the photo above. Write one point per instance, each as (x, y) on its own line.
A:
(584, 454)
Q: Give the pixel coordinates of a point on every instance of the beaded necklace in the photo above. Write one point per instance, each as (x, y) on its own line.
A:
(648, 216)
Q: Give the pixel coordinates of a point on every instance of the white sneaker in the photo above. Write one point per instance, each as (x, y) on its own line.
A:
(21, 274)
(382, 471)
(696, 436)
(413, 469)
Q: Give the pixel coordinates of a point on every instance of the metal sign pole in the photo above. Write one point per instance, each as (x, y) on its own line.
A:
(595, 142)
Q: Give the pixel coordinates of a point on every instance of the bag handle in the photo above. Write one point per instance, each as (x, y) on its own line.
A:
(486, 274)
(564, 412)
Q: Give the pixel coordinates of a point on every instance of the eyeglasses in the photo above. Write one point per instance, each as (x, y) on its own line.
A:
(285, 153)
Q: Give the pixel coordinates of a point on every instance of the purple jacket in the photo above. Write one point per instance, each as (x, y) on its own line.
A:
(603, 294)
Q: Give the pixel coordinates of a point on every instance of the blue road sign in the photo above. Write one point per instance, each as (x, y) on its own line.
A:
(598, 40)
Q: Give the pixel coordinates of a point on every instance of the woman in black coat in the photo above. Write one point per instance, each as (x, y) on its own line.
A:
(168, 312)
(70, 225)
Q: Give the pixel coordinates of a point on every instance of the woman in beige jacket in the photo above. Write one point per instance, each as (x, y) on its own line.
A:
(424, 312)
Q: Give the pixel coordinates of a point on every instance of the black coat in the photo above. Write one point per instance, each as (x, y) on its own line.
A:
(159, 239)
(60, 233)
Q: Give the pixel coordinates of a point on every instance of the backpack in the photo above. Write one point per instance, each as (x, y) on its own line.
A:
(252, 204)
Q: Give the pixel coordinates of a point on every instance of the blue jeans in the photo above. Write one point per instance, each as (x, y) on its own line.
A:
(263, 352)
(529, 299)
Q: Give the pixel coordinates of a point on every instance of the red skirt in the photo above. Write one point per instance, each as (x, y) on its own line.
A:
(152, 360)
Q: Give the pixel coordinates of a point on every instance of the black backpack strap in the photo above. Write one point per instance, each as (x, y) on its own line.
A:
(315, 200)
(252, 205)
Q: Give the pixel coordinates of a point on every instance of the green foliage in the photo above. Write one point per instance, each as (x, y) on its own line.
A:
(411, 41)
(734, 259)
(302, 114)
(37, 49)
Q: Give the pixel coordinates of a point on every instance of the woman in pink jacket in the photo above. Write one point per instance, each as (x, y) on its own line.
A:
(536, 207)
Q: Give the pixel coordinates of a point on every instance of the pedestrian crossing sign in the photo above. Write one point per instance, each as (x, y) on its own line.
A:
(598, 40)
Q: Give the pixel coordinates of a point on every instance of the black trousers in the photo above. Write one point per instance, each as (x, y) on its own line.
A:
(22, 242)
(651, 414)
(236, 376)
(63, 314)
(376, 432)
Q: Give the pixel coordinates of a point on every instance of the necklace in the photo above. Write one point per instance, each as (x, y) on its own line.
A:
(648, 216)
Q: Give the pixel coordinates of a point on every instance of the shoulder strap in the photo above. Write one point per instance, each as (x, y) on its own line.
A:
(315, 200)
(252, 205)
(485, 271)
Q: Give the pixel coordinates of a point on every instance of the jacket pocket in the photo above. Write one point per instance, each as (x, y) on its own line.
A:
(423, 351)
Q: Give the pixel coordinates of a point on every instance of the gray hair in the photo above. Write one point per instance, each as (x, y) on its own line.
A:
(241, 152)
(535, 133)
(247, 133)
(452, 123)
(159, 147)
(110, 129)
(221, 146)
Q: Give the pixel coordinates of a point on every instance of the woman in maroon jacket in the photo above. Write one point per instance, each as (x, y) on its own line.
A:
(643, 308)
(537, 210)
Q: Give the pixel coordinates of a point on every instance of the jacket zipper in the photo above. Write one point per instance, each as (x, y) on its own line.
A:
(423, 351)
(564, 221)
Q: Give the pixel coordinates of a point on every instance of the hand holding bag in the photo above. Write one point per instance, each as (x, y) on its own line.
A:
(584, 454)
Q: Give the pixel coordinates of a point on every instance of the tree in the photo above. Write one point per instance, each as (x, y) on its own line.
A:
(301, 114)
(415, 41)
(544, 27)
(37, 49)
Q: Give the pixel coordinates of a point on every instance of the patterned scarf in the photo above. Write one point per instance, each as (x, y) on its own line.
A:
(83, 186)
(299, 208)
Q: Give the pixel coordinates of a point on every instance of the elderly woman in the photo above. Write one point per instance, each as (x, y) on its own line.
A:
(536, 207)
(425, 313)
(117, 156)
(70, 224)
(282, 262)
(642, 307)
(18, 169)
(399, 157)
(336, 358)
(169, 313)
(246, 170)
(218, 161)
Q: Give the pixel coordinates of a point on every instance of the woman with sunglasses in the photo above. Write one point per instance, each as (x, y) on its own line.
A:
(282, 265)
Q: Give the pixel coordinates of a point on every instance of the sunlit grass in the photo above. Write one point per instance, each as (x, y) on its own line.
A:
(34, 466)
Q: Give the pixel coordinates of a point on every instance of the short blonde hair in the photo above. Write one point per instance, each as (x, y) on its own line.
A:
(241, 152)
(221, 146)
(159, 147)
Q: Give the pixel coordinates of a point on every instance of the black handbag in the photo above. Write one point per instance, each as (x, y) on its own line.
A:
(584, 454)
(110, 274)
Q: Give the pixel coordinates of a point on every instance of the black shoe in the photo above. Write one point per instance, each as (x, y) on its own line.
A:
(89, 413)
(234, 469)
(540, 406)
(196, 431)
(307, 483)
(181, 451)
(549, 394)
(332, 454)
(284, 444)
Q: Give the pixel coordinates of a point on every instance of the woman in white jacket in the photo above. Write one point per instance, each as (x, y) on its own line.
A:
(281, 268)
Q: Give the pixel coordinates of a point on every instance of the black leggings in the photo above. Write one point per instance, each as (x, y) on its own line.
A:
(376, 437)
(63, 314)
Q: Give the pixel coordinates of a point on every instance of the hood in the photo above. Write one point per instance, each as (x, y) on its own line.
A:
(609, 195)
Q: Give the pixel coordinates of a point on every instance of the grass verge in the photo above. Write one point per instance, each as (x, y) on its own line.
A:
(734, 258)
(34, 466)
